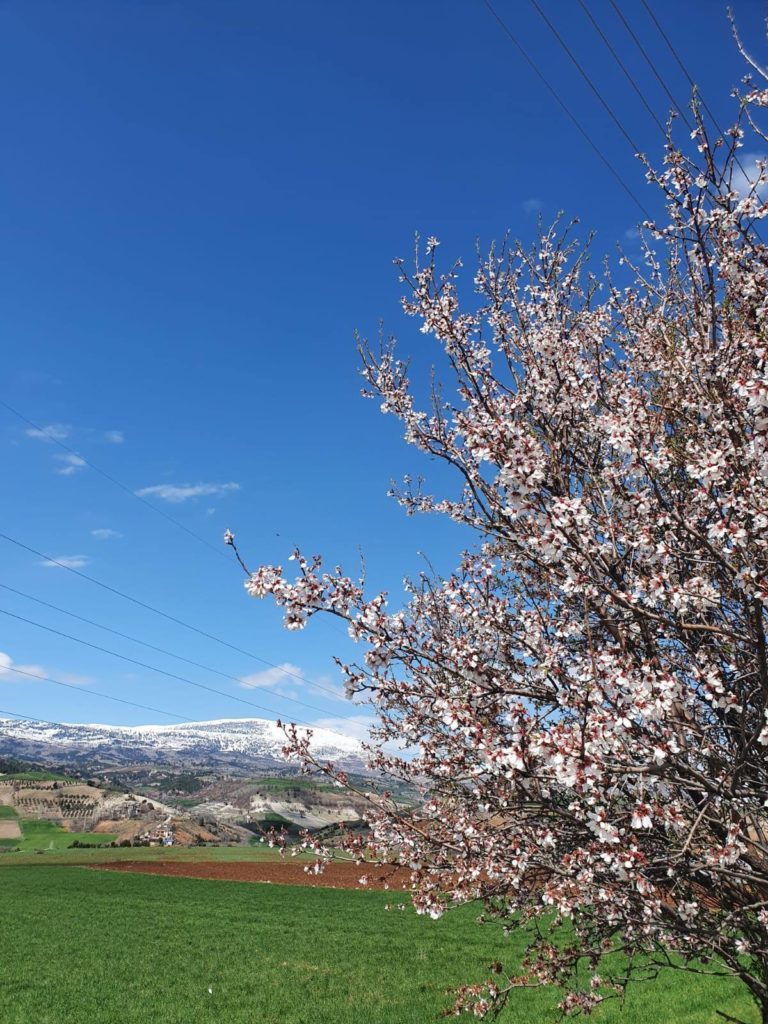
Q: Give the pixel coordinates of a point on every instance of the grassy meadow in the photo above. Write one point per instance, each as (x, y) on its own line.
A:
(65, 857)
(127, 949)
(47, 837)
(291, 782)
(37, 776)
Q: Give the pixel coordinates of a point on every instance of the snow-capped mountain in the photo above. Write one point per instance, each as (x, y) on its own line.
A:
(237, 744)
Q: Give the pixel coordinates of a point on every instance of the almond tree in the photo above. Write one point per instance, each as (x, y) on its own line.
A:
(586, 695)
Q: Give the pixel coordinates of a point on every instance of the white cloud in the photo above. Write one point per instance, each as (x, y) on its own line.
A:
(632, 234)
(9, 670)
(744, 177)
(271, 677)
(104, 533)
(114, 436)
(72, 464)
(53, 432)
(357, 726)
(176, 493)
(66, 562)
(280, 676)
(532, 205)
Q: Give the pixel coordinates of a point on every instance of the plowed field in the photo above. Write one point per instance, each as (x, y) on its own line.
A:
(335, 876)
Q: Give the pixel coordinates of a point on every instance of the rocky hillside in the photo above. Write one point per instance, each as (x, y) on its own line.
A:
(307, 803)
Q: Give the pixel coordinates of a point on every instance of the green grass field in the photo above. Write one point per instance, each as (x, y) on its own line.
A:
(279, 782)
(44, 835)
(37, 776)
(127, 949)
(7, 812)
(63, 856)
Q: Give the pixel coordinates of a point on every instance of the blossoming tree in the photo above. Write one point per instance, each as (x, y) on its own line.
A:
(586, 694)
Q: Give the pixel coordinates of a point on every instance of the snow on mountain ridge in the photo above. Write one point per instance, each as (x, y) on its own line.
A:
(250, 737)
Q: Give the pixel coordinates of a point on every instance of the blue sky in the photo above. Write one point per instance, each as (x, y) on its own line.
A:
(200, 203)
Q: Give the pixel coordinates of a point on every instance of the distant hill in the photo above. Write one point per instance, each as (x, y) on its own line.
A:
(238, 745)
(305, 803)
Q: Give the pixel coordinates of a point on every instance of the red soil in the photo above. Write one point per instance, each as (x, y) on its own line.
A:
(289, 872)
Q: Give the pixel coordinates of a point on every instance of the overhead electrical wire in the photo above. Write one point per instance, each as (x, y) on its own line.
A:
(679, 59)
(114, 480)
(31, 718)
(566, 110)
(691, 82)
(96, 693)
(627, 74)
(650, 63)
(693, 85)
(164, 672)
(577, 64)
(165, 615)
(160, 650)
(118, 483)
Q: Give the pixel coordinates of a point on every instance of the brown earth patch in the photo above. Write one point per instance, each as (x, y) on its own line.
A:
(112, 826)
(10, 830)
(336, 876)
(124, 828)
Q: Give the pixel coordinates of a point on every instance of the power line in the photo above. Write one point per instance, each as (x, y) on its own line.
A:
(31, 718)
(114, 480)
(161, 650)
(650, 63)
(585, 76)
(623, 67)
(97, 693)
(159, 611)
(566, 110)
(123, 487)
(161, 671)
(691, 82)
(675, 54)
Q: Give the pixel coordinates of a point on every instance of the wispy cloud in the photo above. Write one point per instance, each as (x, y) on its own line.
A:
(104, 533)
(532, 205)
(177, 493)
(53, 432)
(357, 726)
(114, 436)
(632, 234)
(9, 670)
(271, 677)
(746, 176)
(279, 677)
(71, 464)
(66, 562)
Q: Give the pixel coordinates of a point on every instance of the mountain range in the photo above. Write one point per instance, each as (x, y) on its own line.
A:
(237, 744)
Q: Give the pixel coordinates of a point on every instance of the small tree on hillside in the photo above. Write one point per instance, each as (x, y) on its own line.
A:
(587, 693)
